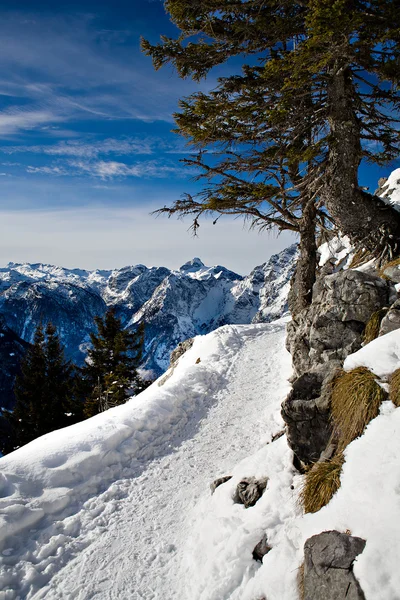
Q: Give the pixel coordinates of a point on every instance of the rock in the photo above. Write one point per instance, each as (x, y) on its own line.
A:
(179, 350)
(218, 482)
(261, 549)
(249, 490)
(328, 567)
(332, 327)
(319, 339)
(306, 412)
(391, 320)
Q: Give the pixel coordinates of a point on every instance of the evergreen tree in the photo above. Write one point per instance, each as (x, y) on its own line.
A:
(281, 143)
(44, 390)
(110, 374)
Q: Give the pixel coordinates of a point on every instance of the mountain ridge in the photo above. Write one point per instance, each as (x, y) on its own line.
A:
(175, 304)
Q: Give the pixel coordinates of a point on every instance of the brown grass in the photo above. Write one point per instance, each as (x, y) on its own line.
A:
(355, 401)
(361, 257)
(394, 388)
(392, 263)
(371, 331)
(321, 482)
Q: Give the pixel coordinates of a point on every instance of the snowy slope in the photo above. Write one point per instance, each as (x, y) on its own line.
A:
(118, 507)
(104, 508)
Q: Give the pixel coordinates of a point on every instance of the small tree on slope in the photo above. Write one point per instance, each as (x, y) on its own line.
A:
(44, 390)
(320, 95)
(110, 374)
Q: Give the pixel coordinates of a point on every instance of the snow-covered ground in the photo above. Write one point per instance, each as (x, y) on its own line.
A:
(104, 508)
(119, 507)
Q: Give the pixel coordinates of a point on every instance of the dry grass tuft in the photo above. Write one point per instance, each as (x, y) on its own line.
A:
(361, 257)
(392, 263)
(394, 388)
(355, 401)
(320, 484)
(371, 331)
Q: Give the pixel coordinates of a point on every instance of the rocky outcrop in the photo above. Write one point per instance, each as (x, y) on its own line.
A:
(306, 412)
(319, 339)
(328, 567)
(332, 327)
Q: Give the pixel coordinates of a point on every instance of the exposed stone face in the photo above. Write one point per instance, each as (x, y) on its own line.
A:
(307, 415)
(391, 320)
(249, 490)
(179, 350)
(319, 340)
(332, 327)
(328, 566)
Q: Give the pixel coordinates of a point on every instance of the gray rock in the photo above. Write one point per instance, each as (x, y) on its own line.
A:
(306, 412)
(319, 339)
(218, 482)
(261, 549)
(391, 320)
(328, 567)
(332, 327)
(249, 490)
(179, 350)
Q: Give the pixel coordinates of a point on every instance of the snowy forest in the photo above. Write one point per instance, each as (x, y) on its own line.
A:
(196, 433)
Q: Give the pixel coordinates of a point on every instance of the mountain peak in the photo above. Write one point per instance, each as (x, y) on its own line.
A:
(192, 265)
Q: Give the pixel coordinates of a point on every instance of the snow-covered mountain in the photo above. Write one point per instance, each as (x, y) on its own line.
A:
(176, 305)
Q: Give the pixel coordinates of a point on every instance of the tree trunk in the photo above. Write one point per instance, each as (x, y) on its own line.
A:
(300, 295)
(365, 218)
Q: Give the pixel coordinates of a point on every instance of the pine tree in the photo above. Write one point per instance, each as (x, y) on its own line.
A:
(281, 142)
(110, 374)
(44, 390)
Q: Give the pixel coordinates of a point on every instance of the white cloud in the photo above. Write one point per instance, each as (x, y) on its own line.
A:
(91, 149)
(15, 120)
(76, 72)
(47, 170)
(111, 169)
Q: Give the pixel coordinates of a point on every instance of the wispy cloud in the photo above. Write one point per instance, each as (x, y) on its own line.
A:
(16, 119)
(108, 170)
(91, 149)
(68, 69)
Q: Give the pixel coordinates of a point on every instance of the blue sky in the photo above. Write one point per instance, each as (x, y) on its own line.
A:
(86, 149)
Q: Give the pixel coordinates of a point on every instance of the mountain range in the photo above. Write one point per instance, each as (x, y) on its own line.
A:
(175, 304)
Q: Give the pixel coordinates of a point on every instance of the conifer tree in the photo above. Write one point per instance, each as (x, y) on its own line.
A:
(110, 374)
(44, 390)
(281, 142)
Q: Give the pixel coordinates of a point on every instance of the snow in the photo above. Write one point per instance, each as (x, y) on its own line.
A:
(103, 508)
(119, 506)
(336, 250)
(391, 189)
(381, 356)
